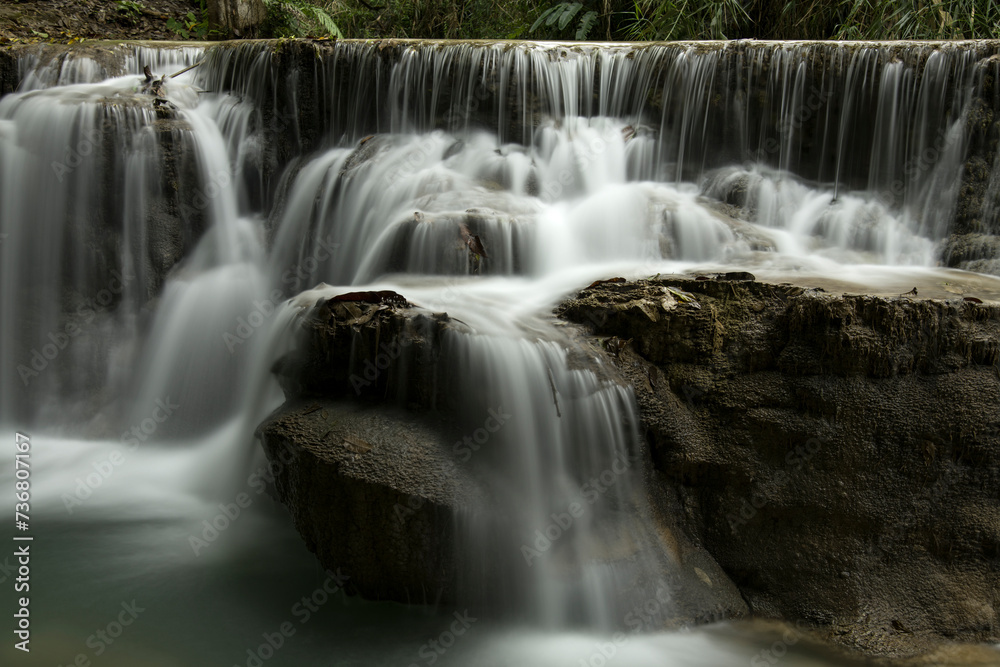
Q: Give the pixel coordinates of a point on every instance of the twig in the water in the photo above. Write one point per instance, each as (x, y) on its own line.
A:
(555, 393)
(188, 68)
(911, 292)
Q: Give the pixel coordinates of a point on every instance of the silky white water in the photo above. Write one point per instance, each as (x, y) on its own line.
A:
(142, 417)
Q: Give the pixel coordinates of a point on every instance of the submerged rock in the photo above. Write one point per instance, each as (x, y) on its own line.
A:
(839, 456)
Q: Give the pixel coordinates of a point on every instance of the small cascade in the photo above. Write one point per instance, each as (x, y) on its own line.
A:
(570, 538)
(61, 150)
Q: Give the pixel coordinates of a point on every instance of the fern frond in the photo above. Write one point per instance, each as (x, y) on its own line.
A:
(588, 21)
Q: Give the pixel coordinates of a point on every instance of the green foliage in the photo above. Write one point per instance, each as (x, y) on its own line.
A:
(588, 21)
(919, 19)
(191, 26)
(434, 19)
(558, 18)
(301, 18)
(778, 19)
(129, 9)
(688, 19)
(620, 19)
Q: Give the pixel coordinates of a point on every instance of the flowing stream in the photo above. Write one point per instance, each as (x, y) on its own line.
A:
(136, 353)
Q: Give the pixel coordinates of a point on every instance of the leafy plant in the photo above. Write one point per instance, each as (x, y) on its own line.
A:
(630, 19)
(129, 9)
(919, 19)
(301, 18)
(385, 19)
(560, 16)
(688, 19)
(191, 26)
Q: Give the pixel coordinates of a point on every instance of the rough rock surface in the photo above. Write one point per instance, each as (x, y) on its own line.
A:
(374, 485)
(372, 490)
(973, 252)
(9, 75)
(838, 456)
(368, 350)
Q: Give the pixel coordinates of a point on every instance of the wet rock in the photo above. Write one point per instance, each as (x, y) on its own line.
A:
(374, 485)
(372, 491)
(369, 149)
(176, 212)
(10, 77)
(380, 352)
(973, 252)
(456, 242)
(837, 455)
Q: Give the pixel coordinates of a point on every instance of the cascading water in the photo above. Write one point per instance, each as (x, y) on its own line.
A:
(148, 248)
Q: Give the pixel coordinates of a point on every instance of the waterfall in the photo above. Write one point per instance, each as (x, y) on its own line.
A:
(151, 248)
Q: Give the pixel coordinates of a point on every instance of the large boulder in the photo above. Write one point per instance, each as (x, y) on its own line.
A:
(838, 455)
(375, 491)
(367, 453)
(367, 472)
